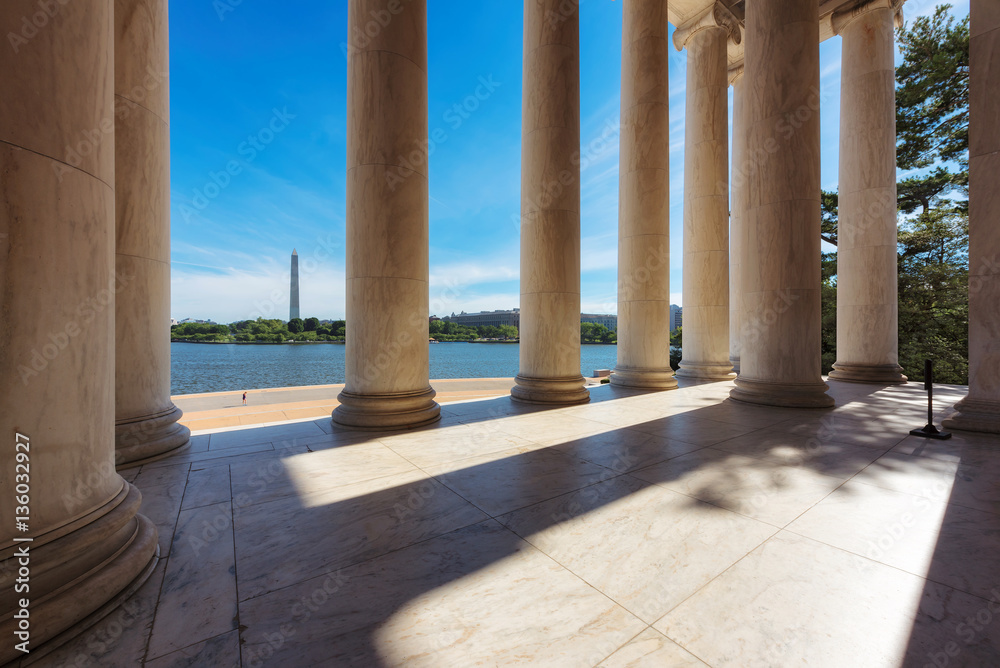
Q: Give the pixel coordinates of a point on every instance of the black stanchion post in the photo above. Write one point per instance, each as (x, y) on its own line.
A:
(929, 430)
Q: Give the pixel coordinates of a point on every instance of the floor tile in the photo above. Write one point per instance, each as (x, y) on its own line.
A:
(198, 599)
(838, 460)
(645, 547)
(219, 652)
(624, 449)
(795, 601)
(508, 480)
(314, 472)
(292, 539)
(161, 505)
(651, 649)
(454, 444)
(478, 596)
(271, 434)
(686, 427)
(950, 544)
(770, 492)
(206, 487)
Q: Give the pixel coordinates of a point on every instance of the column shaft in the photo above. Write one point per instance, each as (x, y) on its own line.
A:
(867, 299)
(145, 417)
(780, 347)
(550, 207)
(737, 214)
(644, 201)
(89, 548)
(706, 208)
(980, 411)
(387, 361)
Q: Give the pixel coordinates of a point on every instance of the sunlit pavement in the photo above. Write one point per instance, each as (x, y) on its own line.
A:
(663, 529)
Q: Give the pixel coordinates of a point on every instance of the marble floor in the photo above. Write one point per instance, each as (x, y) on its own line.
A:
(664, 529)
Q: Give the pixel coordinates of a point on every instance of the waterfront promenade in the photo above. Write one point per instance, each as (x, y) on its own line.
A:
(214, 410)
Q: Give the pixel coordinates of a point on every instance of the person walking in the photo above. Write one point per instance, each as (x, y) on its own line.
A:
(244, 398)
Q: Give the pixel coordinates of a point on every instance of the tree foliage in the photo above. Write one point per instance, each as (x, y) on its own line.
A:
(932, 124)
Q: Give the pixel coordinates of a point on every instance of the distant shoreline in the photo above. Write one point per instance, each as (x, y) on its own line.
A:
(340, 343)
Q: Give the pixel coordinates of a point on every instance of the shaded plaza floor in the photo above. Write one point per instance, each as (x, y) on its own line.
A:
(663, 529)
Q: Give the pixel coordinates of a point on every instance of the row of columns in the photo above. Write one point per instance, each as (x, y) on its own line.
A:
(751, 262)
(84, 234)
(84, 354)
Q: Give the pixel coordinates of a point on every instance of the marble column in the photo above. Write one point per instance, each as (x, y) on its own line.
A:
(867, 293)
(145, 417)
(980, 410)
(644, 201)
(387, 220)
(550, 207)
(780, 343)
(737, 211)
(706, 194)
(87, 547)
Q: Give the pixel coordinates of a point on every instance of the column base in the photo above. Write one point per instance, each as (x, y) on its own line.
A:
(705, 371)
(81, 574)
(398, 410)
(550, 391)
(788, 395)
(974, 415)
(735, 362)
(877, 374)
(644, 379)
(150, 437)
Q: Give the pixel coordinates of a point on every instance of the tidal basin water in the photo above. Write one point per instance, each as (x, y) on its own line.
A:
(201, 367)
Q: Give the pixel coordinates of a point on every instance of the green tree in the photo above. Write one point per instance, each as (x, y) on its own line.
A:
(295, 325)
(508, 332)
(311, 324)
(932, 118)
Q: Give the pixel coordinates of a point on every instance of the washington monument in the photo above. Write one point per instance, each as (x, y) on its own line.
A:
(293, 306)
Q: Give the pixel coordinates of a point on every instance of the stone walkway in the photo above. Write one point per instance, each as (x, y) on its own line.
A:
(665, 529)
(267, 406)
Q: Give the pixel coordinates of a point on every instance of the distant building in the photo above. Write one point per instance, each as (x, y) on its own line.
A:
(487, 318)
(293, 297)
(186, 321)
(608, 320)
(676, 317)
(173, 321)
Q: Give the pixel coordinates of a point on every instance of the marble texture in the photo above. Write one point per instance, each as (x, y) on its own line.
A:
(476, 596)
(57, 270)
(656, 547)
(946, 543)
(741, 168)
(198, 596)
(776, 607)
(644, 201)
(780, 281)
(765, 491)
(361, 520)
(604, 529)
(980, 410)
(867, 300)
(502, 482)
(706, 206)
(387, 220)
(145, 418)
(549, 364)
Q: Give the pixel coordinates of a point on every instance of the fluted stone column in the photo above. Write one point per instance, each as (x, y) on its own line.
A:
(706, 194)
(737, 212)
(145, 417)
(88, 547)
(387, 221)
(867, 293)
(780, 356)
(644, 201)
(550, 207)
(980, 410)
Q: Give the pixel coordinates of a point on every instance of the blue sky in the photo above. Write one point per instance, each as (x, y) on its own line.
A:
(258, 120)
